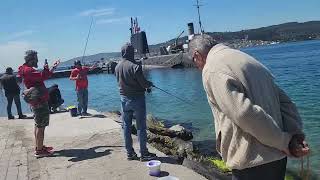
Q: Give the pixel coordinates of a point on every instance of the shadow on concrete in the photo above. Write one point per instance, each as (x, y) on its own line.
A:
(163, 174)
(167, 160)
(84, 154)
(58, 112)
(93, 116)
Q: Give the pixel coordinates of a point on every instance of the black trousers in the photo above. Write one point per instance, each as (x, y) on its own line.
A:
(16, 99)
(275, 170)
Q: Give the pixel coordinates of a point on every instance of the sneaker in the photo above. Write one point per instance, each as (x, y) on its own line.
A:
(148, 156)
(85, 114)
(132, 156)
(10, 117)
(48, 148)
(22, 116)
(42, 153)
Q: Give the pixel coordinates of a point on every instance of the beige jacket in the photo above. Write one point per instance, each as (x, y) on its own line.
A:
(254, 119)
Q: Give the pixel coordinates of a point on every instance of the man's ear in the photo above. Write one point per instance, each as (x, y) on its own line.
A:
(196, 55)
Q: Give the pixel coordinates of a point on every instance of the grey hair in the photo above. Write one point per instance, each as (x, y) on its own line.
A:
(30, 55)
(202, 43)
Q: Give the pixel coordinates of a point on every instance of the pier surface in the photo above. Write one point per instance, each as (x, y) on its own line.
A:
(85, 148)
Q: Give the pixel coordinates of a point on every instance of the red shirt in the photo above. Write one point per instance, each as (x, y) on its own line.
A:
(81, 83)
(32, 77)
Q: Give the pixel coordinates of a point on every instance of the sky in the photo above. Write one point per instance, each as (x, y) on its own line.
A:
(57, 29)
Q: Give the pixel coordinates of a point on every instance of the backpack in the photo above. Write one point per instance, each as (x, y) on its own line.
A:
(33, 94)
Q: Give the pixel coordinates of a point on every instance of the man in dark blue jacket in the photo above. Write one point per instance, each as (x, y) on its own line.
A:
(12, 92)
(132, 86)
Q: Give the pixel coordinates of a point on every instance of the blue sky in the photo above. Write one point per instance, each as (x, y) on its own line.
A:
(58, 28)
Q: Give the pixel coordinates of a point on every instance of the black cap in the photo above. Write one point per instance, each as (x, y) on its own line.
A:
(127, 51)
(77, 63)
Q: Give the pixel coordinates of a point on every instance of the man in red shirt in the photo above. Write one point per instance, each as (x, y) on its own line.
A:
(34, 79)
(80, 75)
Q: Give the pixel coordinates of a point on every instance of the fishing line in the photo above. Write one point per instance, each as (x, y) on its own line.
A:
(85, 47)
(189, 103)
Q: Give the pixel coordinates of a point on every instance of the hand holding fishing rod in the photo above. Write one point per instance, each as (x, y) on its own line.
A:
(54, 66)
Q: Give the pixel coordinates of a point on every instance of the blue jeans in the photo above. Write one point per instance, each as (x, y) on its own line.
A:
(137, 106)
(82, 95)
(16, 99)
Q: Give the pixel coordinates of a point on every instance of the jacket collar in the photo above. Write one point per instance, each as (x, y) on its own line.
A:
(217, 48)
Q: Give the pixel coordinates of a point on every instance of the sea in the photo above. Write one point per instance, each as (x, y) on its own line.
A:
(295, 65)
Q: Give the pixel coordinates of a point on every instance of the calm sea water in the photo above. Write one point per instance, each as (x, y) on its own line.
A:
(296, 67)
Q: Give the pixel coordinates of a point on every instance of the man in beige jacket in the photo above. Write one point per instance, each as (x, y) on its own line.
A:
(256, 123)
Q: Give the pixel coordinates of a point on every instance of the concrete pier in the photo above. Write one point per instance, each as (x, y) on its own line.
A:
(85, 148)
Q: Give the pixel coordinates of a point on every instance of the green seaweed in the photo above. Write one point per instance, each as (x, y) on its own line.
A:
(289, 177)
(220, 164)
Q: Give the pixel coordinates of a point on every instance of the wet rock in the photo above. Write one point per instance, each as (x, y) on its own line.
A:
(177, 128)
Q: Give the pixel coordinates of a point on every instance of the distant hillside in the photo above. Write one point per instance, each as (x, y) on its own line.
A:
(292, 31)
(93, 58)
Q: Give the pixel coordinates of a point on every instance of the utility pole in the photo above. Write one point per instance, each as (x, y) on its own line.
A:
(199, 17)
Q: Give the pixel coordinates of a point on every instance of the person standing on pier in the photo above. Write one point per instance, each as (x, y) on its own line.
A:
(256, 123)
(80, 75)
(37, 96)
(12, 92)
(132, 85)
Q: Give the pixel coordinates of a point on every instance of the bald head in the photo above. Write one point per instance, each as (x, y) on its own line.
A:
(201, 43)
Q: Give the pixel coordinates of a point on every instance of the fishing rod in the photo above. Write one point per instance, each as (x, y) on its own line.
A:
(187, 102)
(85, 46)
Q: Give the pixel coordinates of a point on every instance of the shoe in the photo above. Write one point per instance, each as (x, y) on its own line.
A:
(147, 157)
(10, 117)
(22, 116)
(132, 156)
(43, 153)
(85, 114)
(48, 148)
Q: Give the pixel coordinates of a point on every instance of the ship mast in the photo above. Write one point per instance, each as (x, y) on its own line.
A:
(199, 17)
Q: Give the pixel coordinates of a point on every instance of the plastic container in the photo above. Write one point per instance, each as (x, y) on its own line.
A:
(168, 178)
(154, 167)
(73, 112)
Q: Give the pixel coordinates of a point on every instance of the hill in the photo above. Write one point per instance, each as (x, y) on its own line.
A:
(292, 31)
(93, 58)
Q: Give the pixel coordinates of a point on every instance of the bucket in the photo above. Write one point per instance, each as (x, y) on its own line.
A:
(73, 112)
(154, 167)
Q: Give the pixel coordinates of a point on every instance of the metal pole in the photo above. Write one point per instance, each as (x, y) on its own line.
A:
(85, 47)
(200, 24)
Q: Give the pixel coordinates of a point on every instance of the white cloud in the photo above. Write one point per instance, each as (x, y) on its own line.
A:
(12, 53)
(113, 20)
(17, 35)
(97, 12)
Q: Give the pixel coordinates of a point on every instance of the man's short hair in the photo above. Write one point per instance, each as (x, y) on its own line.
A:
(9, 70)
(30, 55)
(202, 43)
